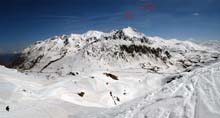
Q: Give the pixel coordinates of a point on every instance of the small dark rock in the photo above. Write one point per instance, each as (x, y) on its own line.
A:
(81, 94)
(114, 77)
(71, 73)
(7, 108)
(118, 99)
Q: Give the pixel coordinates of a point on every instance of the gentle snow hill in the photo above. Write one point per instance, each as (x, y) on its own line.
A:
(120, 74)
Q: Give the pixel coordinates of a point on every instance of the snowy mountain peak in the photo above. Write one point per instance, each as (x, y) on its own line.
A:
(93, 33)
(129, 29)
(131, 32)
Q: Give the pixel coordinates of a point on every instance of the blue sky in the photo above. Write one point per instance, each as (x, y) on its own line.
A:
(23, 22)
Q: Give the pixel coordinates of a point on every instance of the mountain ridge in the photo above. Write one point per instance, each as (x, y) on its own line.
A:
(106, 50)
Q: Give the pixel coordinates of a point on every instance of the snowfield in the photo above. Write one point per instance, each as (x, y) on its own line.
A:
(121, 74)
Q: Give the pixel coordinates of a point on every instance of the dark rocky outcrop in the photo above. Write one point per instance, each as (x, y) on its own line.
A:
(143, 49)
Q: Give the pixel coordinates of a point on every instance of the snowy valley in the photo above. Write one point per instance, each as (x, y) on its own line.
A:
(120, 74)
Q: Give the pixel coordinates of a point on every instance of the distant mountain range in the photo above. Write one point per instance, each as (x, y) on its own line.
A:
(7, 59)
(95, 50)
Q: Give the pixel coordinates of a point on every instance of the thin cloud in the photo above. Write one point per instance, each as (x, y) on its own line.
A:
(106, 16)
(58, 16)
(196, 14)
(103, 17)
(1, 51)
(96, 20)
(63, 18)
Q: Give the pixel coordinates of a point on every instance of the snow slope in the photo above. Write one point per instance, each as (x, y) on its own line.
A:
(195, 95)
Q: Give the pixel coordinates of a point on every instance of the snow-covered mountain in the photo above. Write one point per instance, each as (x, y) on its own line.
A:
(94, 50)
(121, 74)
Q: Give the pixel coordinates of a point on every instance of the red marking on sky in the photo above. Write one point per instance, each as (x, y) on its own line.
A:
(129, 14)
(148, 6)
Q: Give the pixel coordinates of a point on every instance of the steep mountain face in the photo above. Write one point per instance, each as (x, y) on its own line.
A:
(126, 48)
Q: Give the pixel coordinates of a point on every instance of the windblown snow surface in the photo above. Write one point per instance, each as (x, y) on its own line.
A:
(121, 74)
